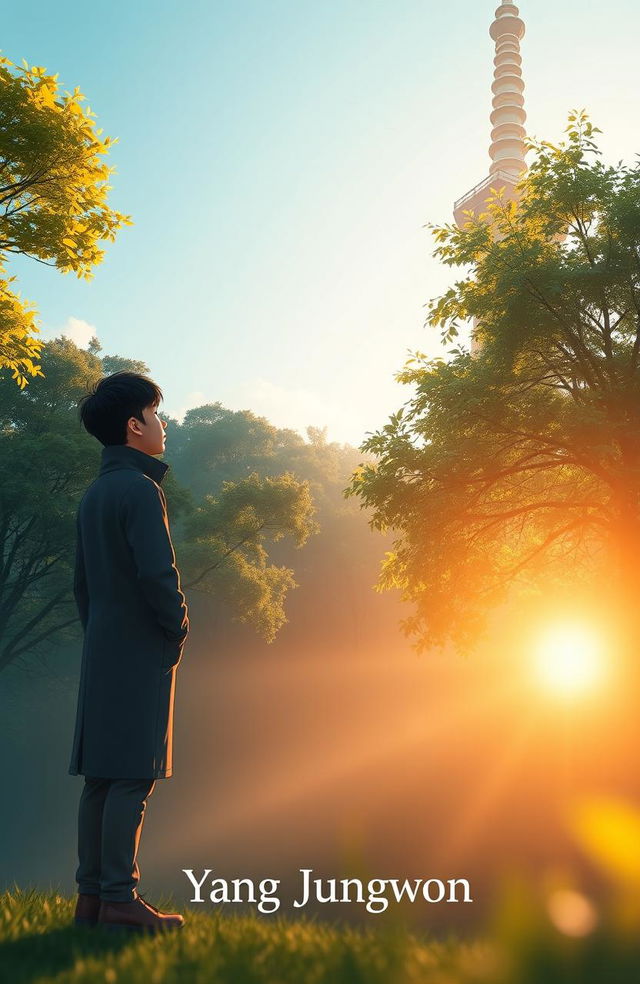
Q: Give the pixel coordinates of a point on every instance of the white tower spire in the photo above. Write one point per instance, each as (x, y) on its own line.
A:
(507, 137)
(507, 147)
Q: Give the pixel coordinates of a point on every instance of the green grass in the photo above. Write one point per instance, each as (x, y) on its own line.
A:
(39, 944)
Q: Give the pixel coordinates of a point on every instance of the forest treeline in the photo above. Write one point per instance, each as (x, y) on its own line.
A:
(245, 498)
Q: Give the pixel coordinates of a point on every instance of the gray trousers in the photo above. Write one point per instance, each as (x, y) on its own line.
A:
(110, 818)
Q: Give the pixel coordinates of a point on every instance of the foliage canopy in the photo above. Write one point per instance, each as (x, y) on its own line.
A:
(53, 196)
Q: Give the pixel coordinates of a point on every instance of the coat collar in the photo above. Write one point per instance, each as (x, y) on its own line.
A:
(116, 456)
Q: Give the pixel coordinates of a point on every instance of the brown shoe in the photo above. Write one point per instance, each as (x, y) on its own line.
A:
(87, 908)
(137, 916)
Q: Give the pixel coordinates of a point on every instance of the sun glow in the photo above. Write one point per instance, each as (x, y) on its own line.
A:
(569, 658)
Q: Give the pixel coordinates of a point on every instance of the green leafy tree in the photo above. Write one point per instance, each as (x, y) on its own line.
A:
(215, 444)
(216, 453)
(53, 196)
(515, 469)
(46, 461)
(223, 549)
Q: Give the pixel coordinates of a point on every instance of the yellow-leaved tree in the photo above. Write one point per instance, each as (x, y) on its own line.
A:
(53, 196)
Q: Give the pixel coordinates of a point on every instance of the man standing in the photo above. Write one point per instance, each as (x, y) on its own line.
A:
(135, 621)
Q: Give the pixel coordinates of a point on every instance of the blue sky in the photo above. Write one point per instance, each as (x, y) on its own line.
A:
(279, 160)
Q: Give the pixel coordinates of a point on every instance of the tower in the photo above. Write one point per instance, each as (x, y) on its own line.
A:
(507, 147)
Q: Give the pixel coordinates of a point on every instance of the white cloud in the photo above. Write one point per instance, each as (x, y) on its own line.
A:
(80, 332)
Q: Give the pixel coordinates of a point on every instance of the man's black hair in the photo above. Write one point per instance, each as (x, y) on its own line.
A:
(113, 400)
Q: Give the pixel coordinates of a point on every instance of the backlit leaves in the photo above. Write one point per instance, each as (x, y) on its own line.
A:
(53, 194)
(512, 467)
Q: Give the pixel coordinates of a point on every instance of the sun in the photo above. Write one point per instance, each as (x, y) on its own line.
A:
(568, 657)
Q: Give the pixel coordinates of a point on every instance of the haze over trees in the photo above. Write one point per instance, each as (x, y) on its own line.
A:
(224, 532)
(244, 498)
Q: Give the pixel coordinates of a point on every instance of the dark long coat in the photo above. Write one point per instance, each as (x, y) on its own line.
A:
(135, 621)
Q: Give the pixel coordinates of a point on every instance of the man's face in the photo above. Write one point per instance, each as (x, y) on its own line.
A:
(149, 437)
